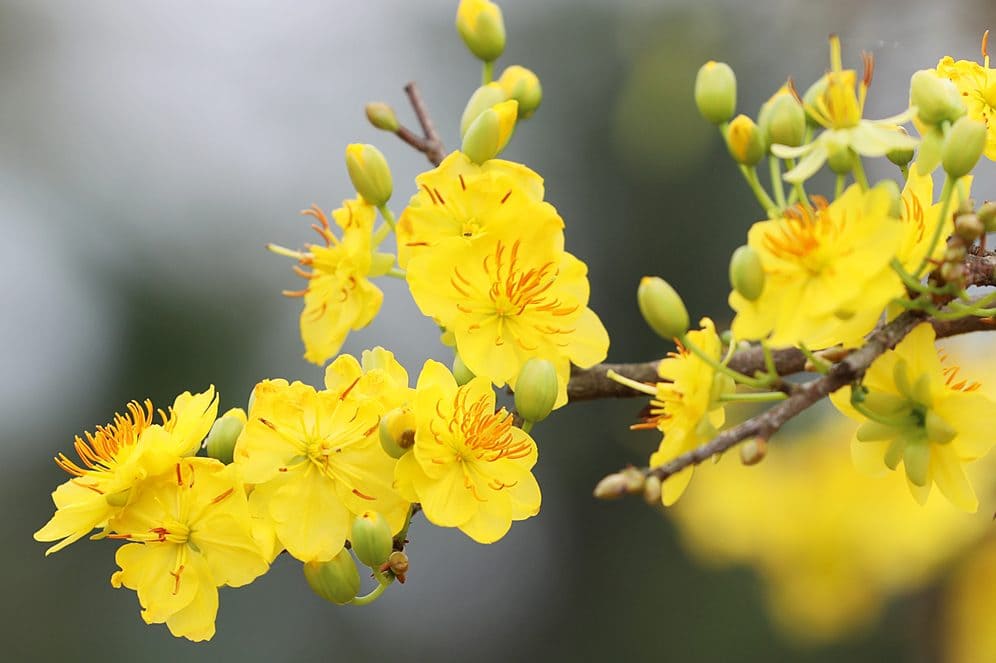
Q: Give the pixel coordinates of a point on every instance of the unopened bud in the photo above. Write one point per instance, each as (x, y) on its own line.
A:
(743, 139)
(371, 539)
(482, 28)
(987, 214)
(461, 373)
(955, 252)
(397, 432)
(220, 442)
(840, 156)
(746, 273)
(382, 116)
(536, 389)
(369, 172)
(969, 227)
(652, 490)
(487, 135)
(936, 99)
(716, 92)
(952, 272)
(524, 86)
(753, 451)
(900, 157)
(782, 121)
(397, 563)
(484, 97)
(628, 482)
(336, 580)
(662, 307)
(963, 146)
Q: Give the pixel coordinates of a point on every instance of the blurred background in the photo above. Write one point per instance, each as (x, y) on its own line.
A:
(150, 149)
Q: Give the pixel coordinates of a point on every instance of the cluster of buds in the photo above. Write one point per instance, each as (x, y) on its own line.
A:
(949, 136)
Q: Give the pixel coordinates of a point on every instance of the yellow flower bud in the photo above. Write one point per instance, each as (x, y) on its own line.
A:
(782, 121)
(753, 451)
(461, 373)
(369, 172)
(382, 116)
(220, 442)
(716, 91)
(936, 99)
(484, 97)
(487, 135)
(336, 580)
(900, 157)
(963, 146)
(536, 390)
(482, 28)
(662, 307)
(524, 86)
(371, 539)
(746, 273)
(744, 141)
(397, 432)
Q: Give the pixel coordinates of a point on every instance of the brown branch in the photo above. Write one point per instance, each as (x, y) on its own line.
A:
(430, 144)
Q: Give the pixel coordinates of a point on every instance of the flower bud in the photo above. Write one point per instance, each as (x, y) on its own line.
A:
(746, 273)
(716, 92)
(397, 563)
(753, 451)
(482, 28)
(900, 157)
(652, 490)
(936, 99)
(536, 390)
(461, 373)
(382, 116)
(336, 580)
(397, 432)
(371, 539)
(840, 156)
(369, 172)
(987, 214)
(487, 135)
(969, 227)
(524, 86)
(963, 146)
(484, 97)
(782, 121)
(744, 141)
(220, 442)
(628, 482)
(662, 307)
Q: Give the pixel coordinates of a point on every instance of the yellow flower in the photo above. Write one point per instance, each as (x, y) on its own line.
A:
(916, 412)
(833, 103)
(470, 467)
(827, 274)
(686, 409)
(376, 377)
(339, 296)
(977, 85)
(461, 201)
(316, 460)
(190, 530)
(920, 216)
(118, 456)
(507, 301)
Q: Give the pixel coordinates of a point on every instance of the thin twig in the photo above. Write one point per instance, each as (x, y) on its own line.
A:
(432, 145)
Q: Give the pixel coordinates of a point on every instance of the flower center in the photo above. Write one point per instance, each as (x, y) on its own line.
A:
(487, 435)
(802, 237)
(100, 450)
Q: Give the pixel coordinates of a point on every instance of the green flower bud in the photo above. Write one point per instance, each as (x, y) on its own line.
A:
(716, 92)
(662, 307)
(461, 373)
(482, 28)
(371, 539)
(744, 141)
(900, 157)
(536, 390)
(963, 146)
(936, 99)
(840, 156)
(369, 172)
(488, 134)
(336, 580)
(484, 97)
(753, 451)
(746, 273)
(524, 86)
(397, 432)
(987, 214)
(220, 442)
(382, 116)
(782, 121)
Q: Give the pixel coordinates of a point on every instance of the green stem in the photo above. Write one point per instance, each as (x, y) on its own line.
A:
(945, 204)
(382, 583)
(912, 283)
(380, 234)
(822, 367)
(400, 537)
(527, 425)
(896, 422)
(388, 215)
(487, 72)
(767, 204)
(839, 189)
(775, 167)
(756, 397)
(396, 273)
(757, 383)
(859, 173)
(769, 361)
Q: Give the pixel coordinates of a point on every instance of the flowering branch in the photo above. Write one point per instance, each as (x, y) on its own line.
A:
(429, 144)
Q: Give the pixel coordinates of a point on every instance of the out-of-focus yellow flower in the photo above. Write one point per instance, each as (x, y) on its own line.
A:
(918, 413)
(969, 611)
(462, 201)
(827, 275)
(118, 456)
(686, 409)
(470, 467)
(509, 300)
(339, 296)
(316, 462)
(977, 84)
(190, 534)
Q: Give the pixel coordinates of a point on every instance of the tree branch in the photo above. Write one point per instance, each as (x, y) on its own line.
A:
(430, 144)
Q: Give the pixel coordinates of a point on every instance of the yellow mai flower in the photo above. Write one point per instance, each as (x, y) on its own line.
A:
(470, 467)
(835, 105)
(316, 460)
(339, 296)
(462, 201)
(686, 408)
(378, 376)
(190, 532)
(118, 456)
(916, 412)
(977, 85)
(920, 216)
(827, 274)
(507, 301)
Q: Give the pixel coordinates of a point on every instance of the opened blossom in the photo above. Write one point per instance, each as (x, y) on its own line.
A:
(977, 85)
